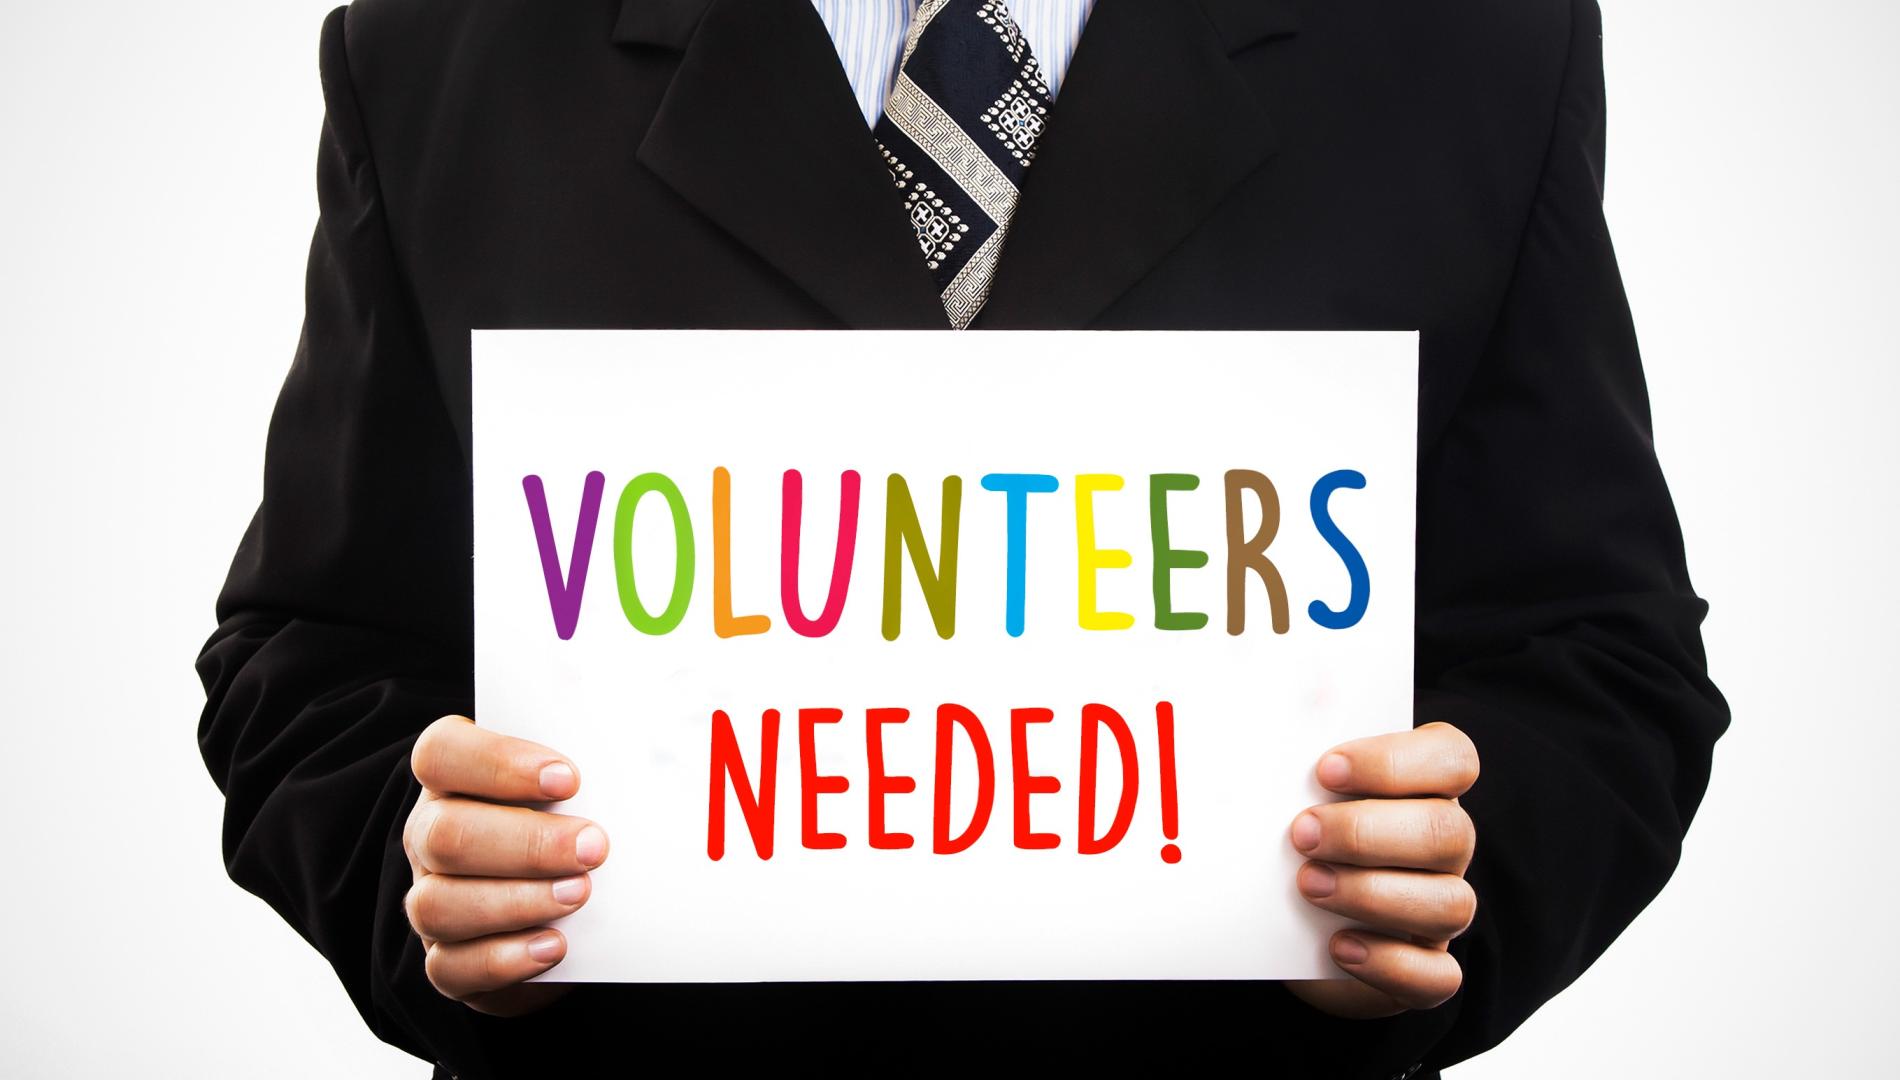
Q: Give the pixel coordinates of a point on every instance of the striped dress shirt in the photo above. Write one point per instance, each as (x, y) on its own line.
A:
(869, 35)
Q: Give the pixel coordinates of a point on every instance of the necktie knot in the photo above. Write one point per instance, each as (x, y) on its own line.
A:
(958, 135)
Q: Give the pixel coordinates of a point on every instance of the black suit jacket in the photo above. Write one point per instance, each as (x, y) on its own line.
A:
(1389, 164)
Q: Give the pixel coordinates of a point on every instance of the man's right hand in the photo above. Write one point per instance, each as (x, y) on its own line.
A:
(488, 874)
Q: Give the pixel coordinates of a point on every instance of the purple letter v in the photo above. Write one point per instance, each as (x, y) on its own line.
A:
(564, 597)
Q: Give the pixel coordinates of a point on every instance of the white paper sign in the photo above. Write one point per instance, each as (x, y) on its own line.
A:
(661, 690)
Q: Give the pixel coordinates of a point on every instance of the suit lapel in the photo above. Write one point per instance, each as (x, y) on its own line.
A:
(1153, 128)
(759, 131)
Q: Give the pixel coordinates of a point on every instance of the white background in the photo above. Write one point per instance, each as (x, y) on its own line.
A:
(155, 205)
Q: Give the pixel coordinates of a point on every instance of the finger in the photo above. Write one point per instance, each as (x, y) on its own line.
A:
(454, 756)
(467, 968)
(1436, 759)
(478, 839)
(444, 908)
(526, 998)
(1403, 903)
(412, 828)
(1416, 976)
(1419, 834)
(1349, 998)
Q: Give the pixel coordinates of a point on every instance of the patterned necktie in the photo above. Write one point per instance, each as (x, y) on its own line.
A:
(958, 135)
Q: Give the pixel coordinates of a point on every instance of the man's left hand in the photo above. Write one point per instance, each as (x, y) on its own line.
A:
(1392, 860)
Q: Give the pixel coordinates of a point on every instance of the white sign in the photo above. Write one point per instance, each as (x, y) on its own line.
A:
(925, 655)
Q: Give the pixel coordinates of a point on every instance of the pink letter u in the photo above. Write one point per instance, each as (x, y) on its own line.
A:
(840, 562)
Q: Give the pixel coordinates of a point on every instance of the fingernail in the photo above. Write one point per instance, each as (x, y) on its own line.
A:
(570, 890)
(557, 780)
(1350, 950)
(545, 949)
(590, 846)
(1335, 771)
(1306, 832)
(1318, 880)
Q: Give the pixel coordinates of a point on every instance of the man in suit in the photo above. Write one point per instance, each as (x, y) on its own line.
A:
(1235, 164)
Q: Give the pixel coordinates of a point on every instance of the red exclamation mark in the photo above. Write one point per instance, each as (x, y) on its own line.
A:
(1170, 811)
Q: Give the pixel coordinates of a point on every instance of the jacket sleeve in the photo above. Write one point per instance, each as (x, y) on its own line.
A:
(344, 625)
(1556, 622)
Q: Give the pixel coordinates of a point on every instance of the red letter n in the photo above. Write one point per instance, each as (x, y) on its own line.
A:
(757, 806)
